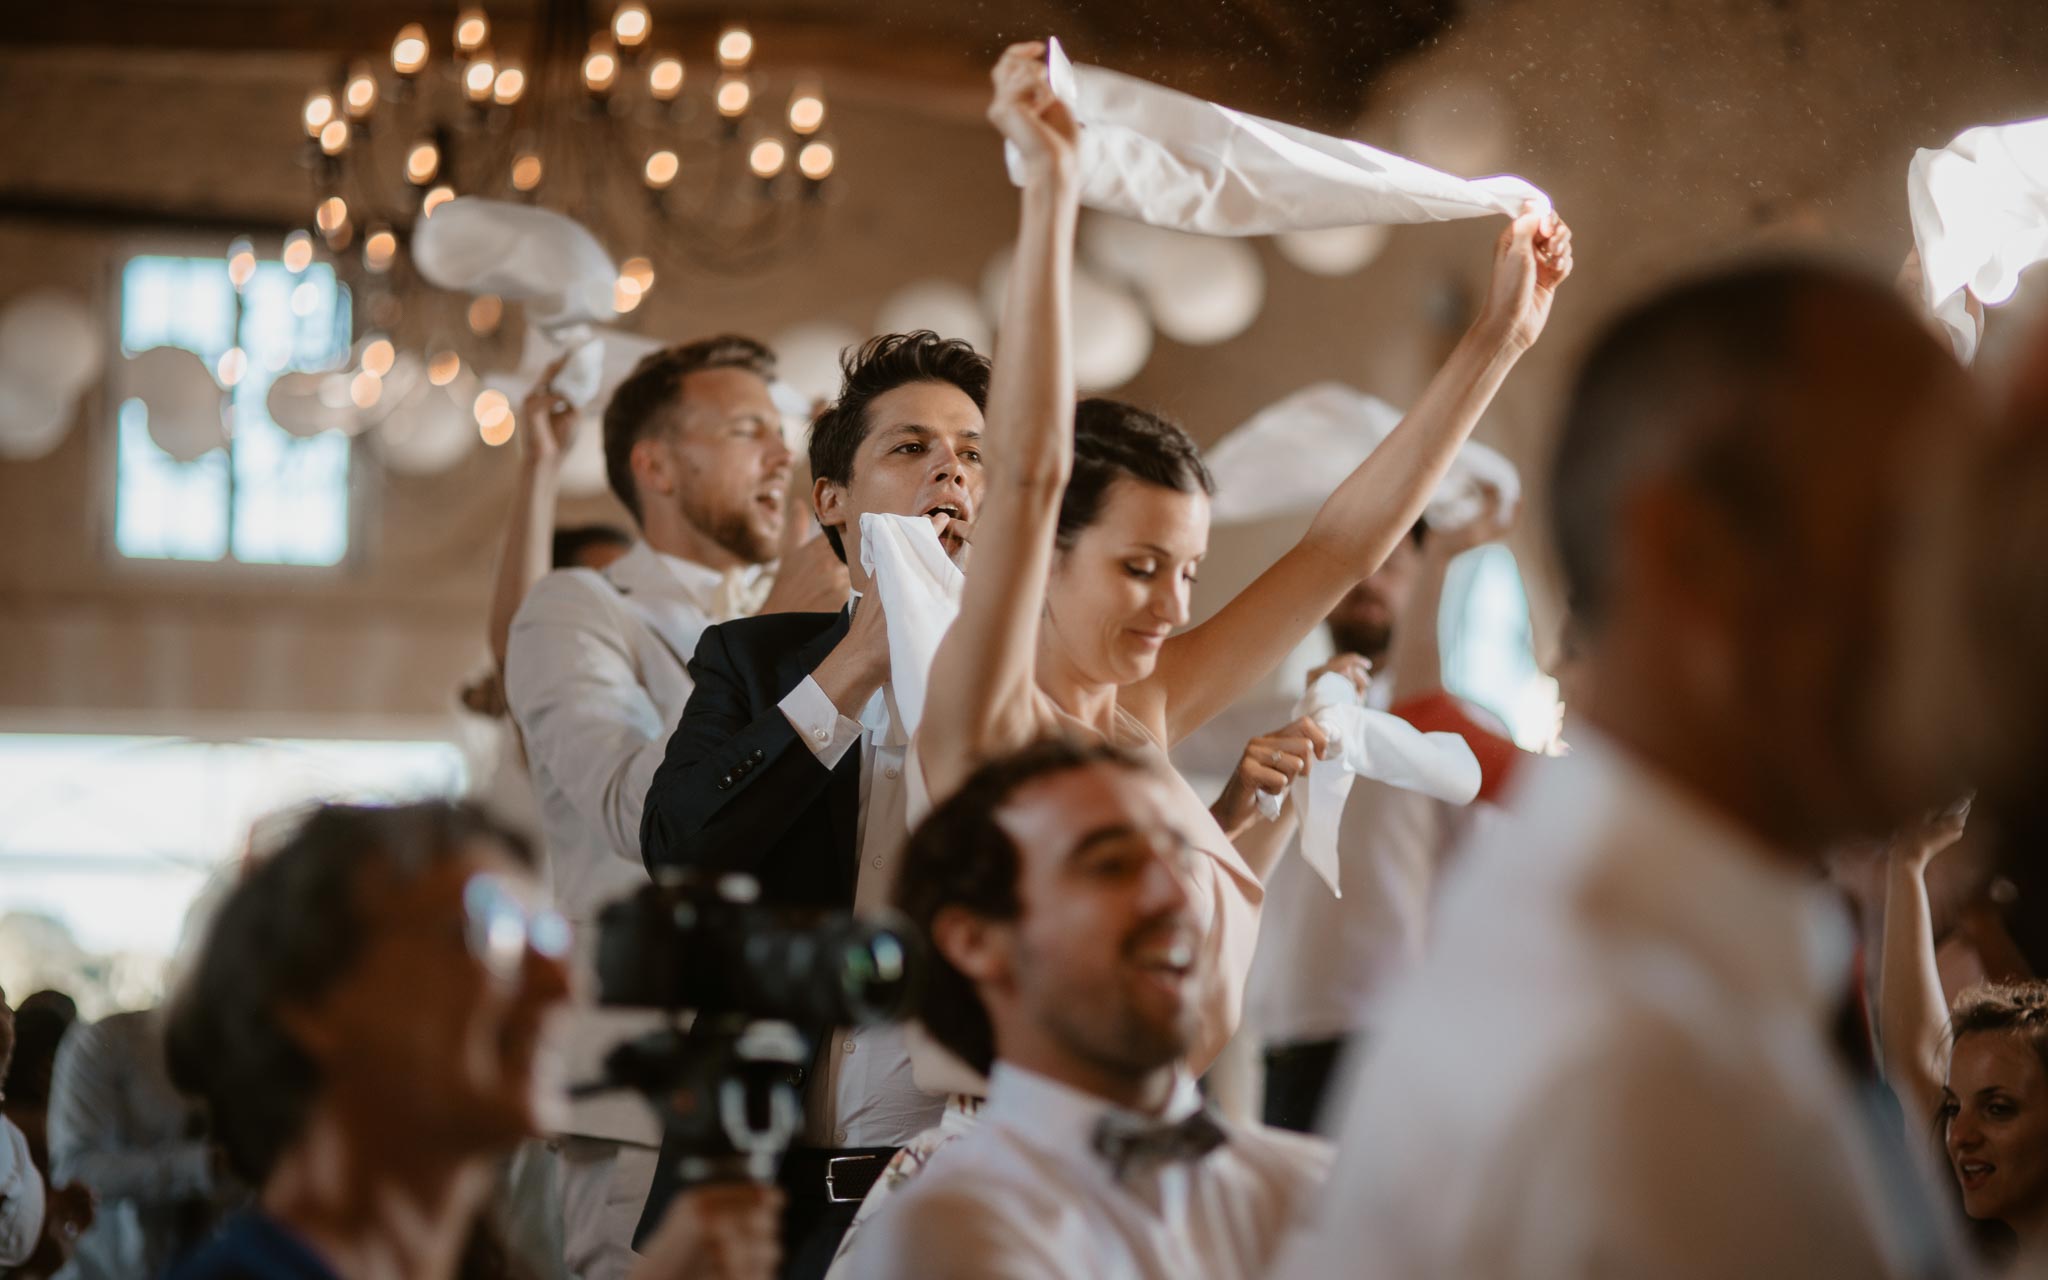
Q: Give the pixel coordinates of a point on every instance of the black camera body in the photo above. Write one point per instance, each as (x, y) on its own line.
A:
(759, 985)
(706, 944)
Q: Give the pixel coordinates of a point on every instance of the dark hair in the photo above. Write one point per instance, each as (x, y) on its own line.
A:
(571, 541)
(1681, 384)
(876, 367)
(639, 409)
(2017, 1009)
(1113, 440)
(288, 931)
(960, 856)
(39, 1026)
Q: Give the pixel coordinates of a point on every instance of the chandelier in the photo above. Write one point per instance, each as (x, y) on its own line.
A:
(671, 163)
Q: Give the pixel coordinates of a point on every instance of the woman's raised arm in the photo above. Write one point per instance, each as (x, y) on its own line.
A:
(1912, 1014)
(982, 682)
(1204, 670)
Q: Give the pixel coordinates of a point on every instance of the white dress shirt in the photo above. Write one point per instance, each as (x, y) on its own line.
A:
(1612, 1062)
(118, 1125)
(21, 1198)
(596, 672)
(1025, 1196)
(863, 1095)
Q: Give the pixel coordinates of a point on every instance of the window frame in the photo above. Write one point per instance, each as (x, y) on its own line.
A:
(106, 455)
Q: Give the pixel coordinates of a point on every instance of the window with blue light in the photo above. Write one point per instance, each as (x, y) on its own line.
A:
(267, 496)
(1489, 646)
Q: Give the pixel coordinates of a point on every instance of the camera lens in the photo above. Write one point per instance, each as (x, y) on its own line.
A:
(836, 971)
(874, 972)
(688, 945)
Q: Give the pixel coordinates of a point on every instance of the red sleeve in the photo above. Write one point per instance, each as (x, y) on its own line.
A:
(1498, 755)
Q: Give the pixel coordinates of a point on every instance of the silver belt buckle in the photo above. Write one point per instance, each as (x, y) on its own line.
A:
(832, 1195)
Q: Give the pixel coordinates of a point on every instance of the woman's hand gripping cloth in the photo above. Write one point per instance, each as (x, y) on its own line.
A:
(1365, 743)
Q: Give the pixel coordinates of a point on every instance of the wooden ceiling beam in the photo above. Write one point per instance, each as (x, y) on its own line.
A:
(909, 63)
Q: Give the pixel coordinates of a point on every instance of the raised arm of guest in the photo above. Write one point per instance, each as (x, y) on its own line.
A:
(548, 426)
(983, 682)
(1912, 1012)
(1204, 670)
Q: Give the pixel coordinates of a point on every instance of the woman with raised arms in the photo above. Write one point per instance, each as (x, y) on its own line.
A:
(1097, 518)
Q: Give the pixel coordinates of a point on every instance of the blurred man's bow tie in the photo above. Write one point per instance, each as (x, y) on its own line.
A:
(1127, 1141)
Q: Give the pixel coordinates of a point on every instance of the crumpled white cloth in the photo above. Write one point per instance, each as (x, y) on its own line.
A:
(1980, 218)
(548, 261)
(920, 592)
(1163, 157)
(1290, 456)
(583, 374)
(1365, 743)
(602, 360)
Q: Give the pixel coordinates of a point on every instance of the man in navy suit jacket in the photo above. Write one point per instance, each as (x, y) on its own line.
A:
(788, 763)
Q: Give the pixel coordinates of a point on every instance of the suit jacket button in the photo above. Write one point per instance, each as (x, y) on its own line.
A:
(757, 757)
(725, 783)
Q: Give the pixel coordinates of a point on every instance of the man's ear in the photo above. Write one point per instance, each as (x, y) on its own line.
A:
(652, 472)
(828, 499)
(975, 945)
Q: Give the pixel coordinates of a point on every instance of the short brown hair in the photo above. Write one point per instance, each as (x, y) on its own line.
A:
(639, 407)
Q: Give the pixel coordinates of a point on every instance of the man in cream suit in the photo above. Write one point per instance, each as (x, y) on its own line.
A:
(595, 674)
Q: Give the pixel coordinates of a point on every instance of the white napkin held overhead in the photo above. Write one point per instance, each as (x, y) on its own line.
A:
(1291, 456)
(1980, 218)
(1163, 157)
(920, 594)
(1365, 743)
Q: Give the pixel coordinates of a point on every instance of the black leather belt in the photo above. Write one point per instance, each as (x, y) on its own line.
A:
(837, 1175)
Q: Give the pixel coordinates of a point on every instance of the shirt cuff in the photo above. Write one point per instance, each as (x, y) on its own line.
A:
(827, 733)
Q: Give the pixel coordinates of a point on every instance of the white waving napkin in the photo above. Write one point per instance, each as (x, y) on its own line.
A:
(1980, 217)
(1292, 454)
(602, 358)
(549, 262)
(1365, 743)
(920, 591)
(1162, 157)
